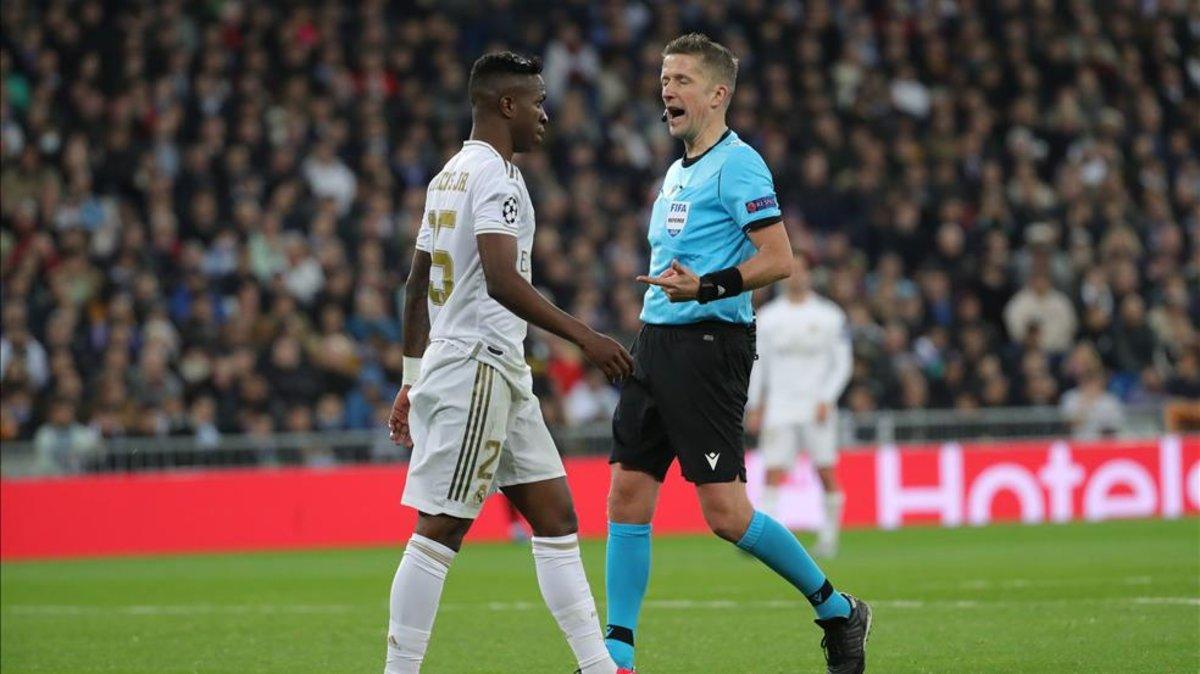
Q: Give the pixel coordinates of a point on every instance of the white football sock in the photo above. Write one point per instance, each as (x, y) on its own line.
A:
(569, 598)
(416, 592)
(834, 501)
(770, 500)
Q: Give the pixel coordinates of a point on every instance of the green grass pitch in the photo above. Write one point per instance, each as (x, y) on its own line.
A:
(1115, 597)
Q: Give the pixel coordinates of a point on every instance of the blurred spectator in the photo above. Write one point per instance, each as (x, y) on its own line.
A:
(564, 367)
(1185, 381)
(590, 400)
(370, 319)
(221, 205)
(1091, 410)
(202, 423)
(1134, 341)
(334, 352)
(153, 381)
(20, 351)
(303, 278)
(16, 415)
(1040, 304)
(64, 445)
(292, 380)
(330, 413)
(329, 178)
(569, 62)
(311, 450)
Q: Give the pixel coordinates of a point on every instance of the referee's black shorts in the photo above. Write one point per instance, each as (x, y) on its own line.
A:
(686, 399)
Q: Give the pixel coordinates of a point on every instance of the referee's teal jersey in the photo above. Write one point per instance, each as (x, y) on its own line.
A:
(702, 217)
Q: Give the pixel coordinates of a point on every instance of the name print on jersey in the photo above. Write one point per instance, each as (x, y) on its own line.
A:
(450, 181)
(677, 215)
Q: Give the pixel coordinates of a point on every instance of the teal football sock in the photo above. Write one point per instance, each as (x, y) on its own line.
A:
(627, 572)
(775, 546)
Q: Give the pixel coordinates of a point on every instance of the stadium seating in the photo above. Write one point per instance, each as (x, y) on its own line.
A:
(207, 217)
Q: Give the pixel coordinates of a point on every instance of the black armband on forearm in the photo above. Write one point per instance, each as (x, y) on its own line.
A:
(719, 285)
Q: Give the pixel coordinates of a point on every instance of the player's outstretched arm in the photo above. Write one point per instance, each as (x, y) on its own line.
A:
(416, 337)
(498, 255)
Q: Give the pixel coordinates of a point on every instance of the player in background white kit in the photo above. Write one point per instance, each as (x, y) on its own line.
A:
(804, 362)
(467, 406)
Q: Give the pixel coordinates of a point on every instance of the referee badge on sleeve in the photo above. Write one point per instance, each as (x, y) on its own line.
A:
(761, 204)
(677, 215)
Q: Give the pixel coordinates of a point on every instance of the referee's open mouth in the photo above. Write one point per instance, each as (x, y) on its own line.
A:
(674, 113)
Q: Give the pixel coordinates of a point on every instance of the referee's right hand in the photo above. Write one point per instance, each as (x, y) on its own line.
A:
(607, 354)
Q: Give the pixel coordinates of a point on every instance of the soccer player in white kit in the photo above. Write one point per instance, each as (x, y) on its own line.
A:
(804, 362)
(467, 406)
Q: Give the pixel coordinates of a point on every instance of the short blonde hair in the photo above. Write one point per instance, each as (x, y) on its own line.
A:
(714, 56)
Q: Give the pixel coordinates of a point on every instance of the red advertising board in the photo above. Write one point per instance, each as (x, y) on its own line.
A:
(948, 485)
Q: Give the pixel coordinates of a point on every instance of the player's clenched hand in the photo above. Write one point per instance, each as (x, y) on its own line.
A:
(678, 282)
(398, 422)
(605, 353)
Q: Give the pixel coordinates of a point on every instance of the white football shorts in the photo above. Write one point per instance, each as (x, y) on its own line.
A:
(476, 427)
(781, 442)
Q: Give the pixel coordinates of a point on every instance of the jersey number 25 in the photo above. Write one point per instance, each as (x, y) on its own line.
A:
(439, 220)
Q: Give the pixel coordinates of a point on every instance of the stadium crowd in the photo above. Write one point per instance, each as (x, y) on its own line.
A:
(208, 208)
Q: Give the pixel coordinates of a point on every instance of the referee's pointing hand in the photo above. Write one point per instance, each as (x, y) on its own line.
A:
(678, 282)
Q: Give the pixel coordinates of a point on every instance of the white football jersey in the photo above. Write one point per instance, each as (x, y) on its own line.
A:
(804, 358)
(476, 192)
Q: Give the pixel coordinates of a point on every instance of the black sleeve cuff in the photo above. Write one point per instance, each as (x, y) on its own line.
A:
(763, 222)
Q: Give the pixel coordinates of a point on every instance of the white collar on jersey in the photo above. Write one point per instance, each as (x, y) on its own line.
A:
(508, 166)
(486, 144)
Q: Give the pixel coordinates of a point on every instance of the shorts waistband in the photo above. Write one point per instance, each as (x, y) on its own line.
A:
(707, 326)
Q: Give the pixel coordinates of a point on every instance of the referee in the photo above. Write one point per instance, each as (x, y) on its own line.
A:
(716, 233)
